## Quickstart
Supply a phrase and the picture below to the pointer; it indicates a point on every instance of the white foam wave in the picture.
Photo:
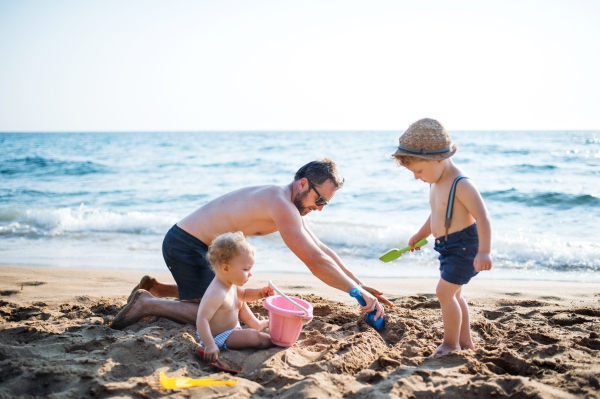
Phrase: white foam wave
(59, 221)
(370, 238)
(546, 251)
(520, 251)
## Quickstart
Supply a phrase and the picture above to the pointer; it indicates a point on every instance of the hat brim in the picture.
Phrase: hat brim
(432, 157)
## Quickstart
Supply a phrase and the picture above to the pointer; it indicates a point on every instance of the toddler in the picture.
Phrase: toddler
(224, 301)
(459, 221)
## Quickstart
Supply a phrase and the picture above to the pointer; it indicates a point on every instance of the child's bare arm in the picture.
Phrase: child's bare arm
(208, 307)
(469, 196)
(249, 295)
(254, 294)
(250, 320)
(424, 232)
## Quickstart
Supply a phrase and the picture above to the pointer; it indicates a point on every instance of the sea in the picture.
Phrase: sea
(106, 200)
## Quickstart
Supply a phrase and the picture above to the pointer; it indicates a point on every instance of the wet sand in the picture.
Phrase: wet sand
(534, 340)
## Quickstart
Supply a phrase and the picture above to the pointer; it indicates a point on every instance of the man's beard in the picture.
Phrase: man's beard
(298, 202)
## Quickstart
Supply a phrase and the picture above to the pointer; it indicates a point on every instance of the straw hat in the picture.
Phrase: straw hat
(426, 138)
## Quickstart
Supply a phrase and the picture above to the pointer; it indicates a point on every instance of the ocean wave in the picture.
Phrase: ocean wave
(36, 194)
(546, 252)
(510, 252)
(45, 166)
(547, 199)
(526, 168)
(497, 149)
(365, 239)
(354, 242)
(45, 222)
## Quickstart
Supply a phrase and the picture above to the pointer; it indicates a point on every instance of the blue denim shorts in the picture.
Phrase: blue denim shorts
(185, 256)
(457, 255)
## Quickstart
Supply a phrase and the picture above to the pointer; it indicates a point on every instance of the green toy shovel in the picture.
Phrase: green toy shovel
(396, 253)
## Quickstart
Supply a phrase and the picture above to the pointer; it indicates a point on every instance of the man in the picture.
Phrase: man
(255, 211)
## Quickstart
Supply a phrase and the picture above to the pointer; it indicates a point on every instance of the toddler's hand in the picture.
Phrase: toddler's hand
(211, 353)
(263, 324)
(267, 291)
(413, 240)
(483, 261)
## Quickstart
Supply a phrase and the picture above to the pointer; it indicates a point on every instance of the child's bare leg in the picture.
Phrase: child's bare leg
(248, 318)
(464, 339)
(248, 338)
(451, 316)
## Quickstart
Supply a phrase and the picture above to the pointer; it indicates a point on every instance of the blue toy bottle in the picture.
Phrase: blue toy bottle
(377, 324)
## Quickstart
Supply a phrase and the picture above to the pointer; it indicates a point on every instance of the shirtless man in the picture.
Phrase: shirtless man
(255, 211)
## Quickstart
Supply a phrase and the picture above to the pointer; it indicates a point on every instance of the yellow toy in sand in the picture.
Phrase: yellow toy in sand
(187, 382)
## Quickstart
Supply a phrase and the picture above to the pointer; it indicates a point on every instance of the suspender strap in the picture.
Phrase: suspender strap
(450, 207)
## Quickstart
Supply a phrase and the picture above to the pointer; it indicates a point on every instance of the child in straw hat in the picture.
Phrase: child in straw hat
(459, 221)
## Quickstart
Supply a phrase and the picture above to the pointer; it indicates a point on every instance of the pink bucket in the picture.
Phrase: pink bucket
(286, 320)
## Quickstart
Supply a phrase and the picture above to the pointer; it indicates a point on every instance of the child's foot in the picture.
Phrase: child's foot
(467, 345)
(442, 350)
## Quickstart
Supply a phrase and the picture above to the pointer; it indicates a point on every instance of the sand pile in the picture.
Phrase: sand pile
(526, 348)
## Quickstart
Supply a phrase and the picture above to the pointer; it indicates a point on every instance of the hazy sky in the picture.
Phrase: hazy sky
(298, 65)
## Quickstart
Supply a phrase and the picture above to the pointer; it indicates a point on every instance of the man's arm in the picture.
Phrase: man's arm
(329, 253)
(469, 196)
(299, 241)
(341, 265)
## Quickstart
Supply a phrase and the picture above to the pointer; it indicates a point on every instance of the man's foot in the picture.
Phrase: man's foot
(132, 312)
(442, 350)
(146, 283)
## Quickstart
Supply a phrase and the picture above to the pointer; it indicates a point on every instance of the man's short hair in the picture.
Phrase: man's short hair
(226, 247)
(318, 172)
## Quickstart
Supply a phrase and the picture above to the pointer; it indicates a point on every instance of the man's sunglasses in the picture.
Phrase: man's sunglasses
(320, 201)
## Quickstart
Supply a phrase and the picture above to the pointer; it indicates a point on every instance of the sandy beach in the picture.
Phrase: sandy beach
(534, 340)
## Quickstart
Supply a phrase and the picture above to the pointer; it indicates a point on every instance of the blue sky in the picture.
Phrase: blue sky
(298, 65)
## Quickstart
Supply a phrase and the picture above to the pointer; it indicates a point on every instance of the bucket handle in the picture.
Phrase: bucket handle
(287, 298)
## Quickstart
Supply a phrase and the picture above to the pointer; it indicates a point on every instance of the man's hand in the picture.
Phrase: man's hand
(378, 294)
(372, 303)
(211, 353)
(267, 291)
(483, 261)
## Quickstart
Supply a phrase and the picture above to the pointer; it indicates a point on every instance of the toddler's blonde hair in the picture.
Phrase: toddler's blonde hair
(226, 247)
(407, 160)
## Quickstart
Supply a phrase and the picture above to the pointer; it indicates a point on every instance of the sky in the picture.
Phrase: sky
(298, 65)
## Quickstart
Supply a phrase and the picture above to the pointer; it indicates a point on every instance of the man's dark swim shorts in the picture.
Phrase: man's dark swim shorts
(457, 255)
(185, 256)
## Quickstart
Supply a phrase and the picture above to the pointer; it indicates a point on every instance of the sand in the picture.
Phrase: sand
(534, 340)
